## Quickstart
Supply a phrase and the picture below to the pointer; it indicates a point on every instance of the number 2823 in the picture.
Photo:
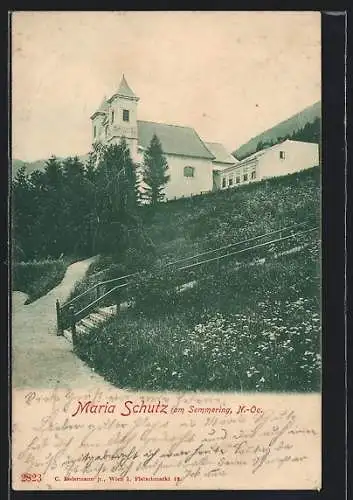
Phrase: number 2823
(31, 477)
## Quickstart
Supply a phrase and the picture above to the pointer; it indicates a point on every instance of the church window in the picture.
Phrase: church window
(282, 155)
(112, 116)
(94, 131)
(189, 171)
(224, 182)
(126, 115)
(245, 174)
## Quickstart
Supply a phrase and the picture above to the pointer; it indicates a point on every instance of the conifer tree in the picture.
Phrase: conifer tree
(155, 168)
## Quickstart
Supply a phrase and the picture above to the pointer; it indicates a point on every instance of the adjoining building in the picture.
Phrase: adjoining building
(284, 158)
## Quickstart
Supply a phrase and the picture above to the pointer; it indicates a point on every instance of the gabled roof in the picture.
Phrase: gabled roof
(270, 148)
(260, 153)
(175, 139)
(220, 153)
(282, 129)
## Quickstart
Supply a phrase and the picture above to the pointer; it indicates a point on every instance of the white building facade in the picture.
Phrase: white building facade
(191, 161)
(281, 159)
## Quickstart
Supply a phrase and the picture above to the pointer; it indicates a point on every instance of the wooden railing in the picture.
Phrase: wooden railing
(76, 309)
(245, 242)
(71, 312)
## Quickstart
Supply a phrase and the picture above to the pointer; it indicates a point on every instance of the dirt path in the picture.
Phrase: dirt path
(41, 359)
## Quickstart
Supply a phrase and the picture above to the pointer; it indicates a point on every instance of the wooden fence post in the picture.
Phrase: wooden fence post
(73, 325)
(59, 329)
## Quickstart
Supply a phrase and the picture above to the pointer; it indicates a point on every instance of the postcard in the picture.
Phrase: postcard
(166, 250)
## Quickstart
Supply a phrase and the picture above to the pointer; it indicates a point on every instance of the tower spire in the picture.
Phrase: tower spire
(124, 89)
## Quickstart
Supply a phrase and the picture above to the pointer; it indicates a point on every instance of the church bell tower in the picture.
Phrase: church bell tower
(116, 118)
(121, 120)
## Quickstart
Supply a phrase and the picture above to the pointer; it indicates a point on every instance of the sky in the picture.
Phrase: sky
(230, 75)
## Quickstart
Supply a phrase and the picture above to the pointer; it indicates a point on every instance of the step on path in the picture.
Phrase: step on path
(93, 320)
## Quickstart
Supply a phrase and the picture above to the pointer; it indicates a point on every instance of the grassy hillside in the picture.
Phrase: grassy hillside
(283, 130)
(185, 226)
(247, 325)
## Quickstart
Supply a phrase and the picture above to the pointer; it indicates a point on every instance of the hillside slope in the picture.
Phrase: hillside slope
(186, 226)
(247, 325)
(283, 130)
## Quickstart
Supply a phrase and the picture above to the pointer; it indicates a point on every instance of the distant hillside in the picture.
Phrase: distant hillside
(35, 165)
(290, 128)
(30, 166)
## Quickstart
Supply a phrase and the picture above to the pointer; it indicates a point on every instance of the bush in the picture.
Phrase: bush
(36, 278)
(154, 291)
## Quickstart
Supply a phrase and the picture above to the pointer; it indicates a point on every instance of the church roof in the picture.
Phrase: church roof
(124, 89)
(103, 108)
(175, 139)
(220, 153)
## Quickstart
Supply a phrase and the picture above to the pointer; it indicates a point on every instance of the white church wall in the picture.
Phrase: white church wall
(117, 127)
(179, 185)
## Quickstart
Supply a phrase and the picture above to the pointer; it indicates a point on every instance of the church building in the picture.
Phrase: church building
(193, 164)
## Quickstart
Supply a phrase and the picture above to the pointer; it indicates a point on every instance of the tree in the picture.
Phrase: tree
(155, 169)
(77, 207)
(116, 196)
(116, 178)
(53, 215)
(129, 185)
(22, 220)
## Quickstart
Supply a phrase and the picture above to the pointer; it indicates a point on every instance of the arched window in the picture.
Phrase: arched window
(189, 171)
(94, 131)
(112, 116)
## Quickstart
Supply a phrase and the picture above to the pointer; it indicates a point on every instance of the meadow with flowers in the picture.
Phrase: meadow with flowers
(251, 325)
